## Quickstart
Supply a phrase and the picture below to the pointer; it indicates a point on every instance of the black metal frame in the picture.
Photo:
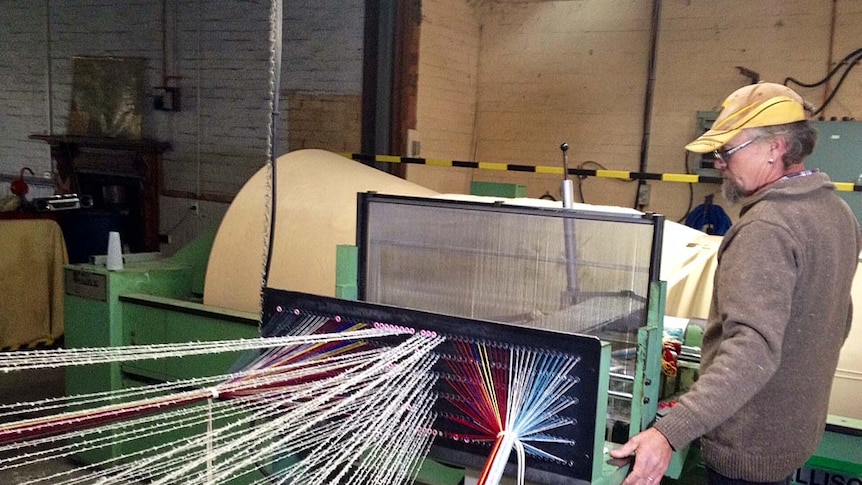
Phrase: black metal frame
(282, 310)
(365, 199)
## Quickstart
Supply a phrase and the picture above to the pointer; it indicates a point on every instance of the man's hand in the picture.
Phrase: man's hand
(652, 456)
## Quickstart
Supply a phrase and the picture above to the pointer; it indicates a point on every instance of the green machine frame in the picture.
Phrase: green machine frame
(645, 382)
(645, 389)
(152, 300)
(156, 300)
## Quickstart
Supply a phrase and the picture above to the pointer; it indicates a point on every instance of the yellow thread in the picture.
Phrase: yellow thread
(488, 377)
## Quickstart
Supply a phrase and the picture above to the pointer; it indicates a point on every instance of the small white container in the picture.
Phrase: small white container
(114, 261)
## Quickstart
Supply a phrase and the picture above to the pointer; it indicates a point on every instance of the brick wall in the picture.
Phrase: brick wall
(23, 90)
(219, 54)
(322, 88)
(448, 81)
(700, 45)
(539, 73)
(576, 72)
(327, 121)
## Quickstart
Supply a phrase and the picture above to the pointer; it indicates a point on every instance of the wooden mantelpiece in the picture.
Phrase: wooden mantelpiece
(143, 145)
(86, 163)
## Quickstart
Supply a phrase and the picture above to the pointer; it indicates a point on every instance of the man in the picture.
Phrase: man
(779, 311)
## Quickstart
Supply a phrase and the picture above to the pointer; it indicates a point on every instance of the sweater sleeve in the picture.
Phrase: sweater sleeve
(751, 309)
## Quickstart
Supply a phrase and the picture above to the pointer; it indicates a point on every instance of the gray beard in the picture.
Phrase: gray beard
(732, 192)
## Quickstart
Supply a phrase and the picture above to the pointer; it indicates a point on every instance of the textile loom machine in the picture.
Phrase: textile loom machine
(489, 273)
(491, 276)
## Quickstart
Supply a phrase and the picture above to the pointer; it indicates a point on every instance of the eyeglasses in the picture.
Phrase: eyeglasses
(724, 155)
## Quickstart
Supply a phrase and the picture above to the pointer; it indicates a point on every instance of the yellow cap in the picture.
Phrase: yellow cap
(761, 104)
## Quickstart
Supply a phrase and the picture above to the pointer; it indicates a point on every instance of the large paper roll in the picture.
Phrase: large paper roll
(316, 212)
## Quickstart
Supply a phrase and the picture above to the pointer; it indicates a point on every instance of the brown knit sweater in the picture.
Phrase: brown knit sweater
(778, 319)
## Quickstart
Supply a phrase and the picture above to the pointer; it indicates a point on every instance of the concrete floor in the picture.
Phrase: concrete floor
(28, 386)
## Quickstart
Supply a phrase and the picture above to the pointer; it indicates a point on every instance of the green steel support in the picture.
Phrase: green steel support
(346, 272)
(599, 457)
(645, 392)
(145, 303)
(652, 355)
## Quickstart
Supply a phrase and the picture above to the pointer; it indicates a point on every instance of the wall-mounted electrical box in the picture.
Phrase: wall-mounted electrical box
(839, 153)
(166, 98)
(705, 162)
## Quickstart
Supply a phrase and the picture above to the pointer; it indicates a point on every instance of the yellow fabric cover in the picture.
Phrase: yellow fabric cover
(689, 286)
(32, 256)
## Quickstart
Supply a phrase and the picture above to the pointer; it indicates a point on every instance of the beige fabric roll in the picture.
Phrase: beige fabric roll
(316, 212)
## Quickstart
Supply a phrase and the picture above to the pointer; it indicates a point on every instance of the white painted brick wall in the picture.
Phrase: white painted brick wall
(222, 58)
(182, 225)
(323, 46)
(23, 90)
(220, 50)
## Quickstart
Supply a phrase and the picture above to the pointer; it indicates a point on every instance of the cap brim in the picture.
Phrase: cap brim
(711, 140)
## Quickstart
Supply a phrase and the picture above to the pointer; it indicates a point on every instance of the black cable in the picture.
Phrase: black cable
(835, 69)
(582, 177)
(835, 90)
(850, 60)
(648, 97)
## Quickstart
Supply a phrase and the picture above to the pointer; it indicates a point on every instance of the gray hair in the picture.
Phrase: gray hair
(800, 137)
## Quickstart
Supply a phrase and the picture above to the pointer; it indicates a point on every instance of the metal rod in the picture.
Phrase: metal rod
(568, 189)
(622, 377)
(569, 232)
(622, 395)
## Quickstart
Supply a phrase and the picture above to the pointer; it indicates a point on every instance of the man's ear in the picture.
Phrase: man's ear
(778, 144)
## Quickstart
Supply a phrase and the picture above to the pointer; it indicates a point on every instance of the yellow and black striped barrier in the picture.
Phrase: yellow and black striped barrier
(577, 172)
(40, 344)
